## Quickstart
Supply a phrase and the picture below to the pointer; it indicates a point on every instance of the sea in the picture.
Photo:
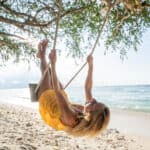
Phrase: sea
(126, 97)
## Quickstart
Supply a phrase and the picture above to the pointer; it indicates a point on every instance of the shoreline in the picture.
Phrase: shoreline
(22, 127)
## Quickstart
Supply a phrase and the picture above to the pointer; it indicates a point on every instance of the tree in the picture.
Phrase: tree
(79, 24)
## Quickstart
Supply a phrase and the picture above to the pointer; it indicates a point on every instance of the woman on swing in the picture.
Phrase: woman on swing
(58, 112)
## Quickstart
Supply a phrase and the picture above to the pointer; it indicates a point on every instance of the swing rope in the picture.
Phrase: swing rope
(57, 23)
(54, 45)
(101, 27)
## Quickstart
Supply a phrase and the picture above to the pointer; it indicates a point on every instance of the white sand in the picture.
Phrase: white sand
(135, 125)
(22, 129)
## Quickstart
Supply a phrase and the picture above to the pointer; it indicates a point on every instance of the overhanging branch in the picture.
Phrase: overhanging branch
(7, 9)
(21, 25)
(12, 35)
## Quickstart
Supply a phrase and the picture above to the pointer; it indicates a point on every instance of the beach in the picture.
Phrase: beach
(21, 128)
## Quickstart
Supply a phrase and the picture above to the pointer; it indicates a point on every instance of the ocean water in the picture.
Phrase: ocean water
(135, 97)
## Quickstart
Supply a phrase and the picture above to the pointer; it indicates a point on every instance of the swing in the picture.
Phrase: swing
(34, 87)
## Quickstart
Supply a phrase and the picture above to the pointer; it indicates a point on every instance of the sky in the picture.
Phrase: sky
(108, 69)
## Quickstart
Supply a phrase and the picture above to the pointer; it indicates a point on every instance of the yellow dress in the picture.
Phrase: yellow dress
(49, 110)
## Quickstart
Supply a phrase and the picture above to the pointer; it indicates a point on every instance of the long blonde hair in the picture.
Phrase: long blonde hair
(98, 122)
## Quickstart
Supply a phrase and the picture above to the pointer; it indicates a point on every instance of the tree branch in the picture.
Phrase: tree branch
(12, 35)
(22, 24)
(48, 7)
(38, 24)
(20, 14)
(120, 23)
(68, 12)
(11, 11)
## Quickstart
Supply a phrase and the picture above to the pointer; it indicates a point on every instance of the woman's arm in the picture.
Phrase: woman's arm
(89, 81)
(68, 116)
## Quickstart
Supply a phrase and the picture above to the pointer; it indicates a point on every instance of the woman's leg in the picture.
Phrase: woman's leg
(60, 84)
(46, 83)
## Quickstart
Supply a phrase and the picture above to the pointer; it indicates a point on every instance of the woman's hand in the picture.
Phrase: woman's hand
(90, 59)
(53, 56)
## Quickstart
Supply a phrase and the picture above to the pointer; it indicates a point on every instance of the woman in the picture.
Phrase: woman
(58, 112)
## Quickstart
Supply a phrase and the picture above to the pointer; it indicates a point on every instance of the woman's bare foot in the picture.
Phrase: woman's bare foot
(42, 48)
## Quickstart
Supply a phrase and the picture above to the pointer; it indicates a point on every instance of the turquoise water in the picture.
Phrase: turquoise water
(135, 97)
(123, 97)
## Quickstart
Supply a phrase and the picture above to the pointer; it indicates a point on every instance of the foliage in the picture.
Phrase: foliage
(79, 25)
